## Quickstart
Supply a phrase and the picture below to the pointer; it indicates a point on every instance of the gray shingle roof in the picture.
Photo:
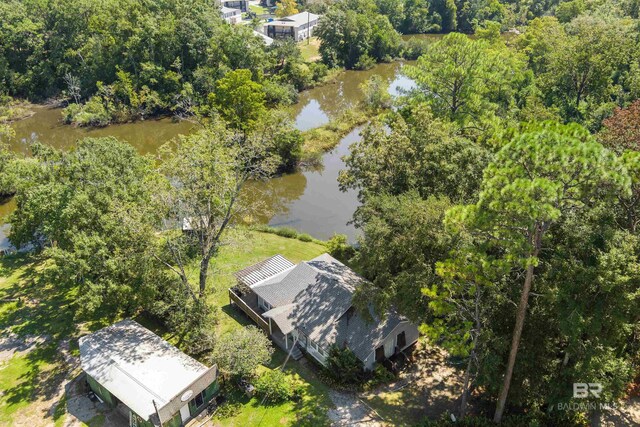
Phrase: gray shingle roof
(317, 295)
(282, 288)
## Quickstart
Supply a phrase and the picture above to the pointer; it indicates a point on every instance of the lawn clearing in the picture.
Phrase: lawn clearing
(39, 337)
(310, 49)
(34, 318)
(259, 10)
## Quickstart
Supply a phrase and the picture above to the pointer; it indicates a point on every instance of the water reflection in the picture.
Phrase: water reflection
(309, 200)
(6, 207)
(317, 106)
(45, 125)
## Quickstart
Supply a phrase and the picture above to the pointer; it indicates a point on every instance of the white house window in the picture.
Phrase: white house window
(265, 305)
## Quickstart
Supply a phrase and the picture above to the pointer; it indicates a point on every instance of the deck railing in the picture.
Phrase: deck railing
(249, 311)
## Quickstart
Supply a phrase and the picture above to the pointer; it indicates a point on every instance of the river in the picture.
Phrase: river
(308, 200)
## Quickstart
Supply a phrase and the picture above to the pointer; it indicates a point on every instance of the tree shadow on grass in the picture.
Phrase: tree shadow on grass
(237, 315)
(42, 311)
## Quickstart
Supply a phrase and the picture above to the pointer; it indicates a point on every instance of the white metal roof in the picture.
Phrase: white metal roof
(139, 367)
(295, 20)
(263, 270)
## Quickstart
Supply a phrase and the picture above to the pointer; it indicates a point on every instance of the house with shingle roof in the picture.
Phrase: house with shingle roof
(309, 307)
(145, 378)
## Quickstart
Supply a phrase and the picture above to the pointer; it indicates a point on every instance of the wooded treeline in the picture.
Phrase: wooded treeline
(500, 197)
(500, 210)
(128, 59)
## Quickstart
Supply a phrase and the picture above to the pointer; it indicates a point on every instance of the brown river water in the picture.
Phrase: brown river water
(308, 200)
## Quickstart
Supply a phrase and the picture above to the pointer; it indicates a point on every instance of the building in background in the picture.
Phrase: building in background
(232, 16)
(298, 27)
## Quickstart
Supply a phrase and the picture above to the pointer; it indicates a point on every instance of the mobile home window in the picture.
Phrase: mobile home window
(199, 399)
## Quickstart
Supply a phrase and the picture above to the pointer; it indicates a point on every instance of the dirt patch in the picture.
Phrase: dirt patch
(351, 411)
(627, 414)
(12, 345)
(429, 387)
(81, 410)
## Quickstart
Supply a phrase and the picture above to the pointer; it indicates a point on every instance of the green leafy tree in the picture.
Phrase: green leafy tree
(568, 10)
(239, 100)
(420, 153)
(376, 93)
(208, 170)
(468, 81)
(542, 174)
(402, 239)
(286, 8)
(444, 12)
(239, 352)
(580, 69)
(92, 209)
(354, 35)
(417, 18)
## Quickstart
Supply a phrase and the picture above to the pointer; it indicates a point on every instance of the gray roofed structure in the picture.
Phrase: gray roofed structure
(282, 317)
(285, 286)
(140, 369)
(295, 20)
(316, 297)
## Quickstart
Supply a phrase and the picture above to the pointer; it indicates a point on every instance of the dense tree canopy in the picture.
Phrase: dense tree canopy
(120, 60)
(93, 209)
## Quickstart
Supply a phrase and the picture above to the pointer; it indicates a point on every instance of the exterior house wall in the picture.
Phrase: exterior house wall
(232, 17)
(208, 392)
(102, 392)
(389, 343)
(298, 33)
(243, 5)
(314, 349)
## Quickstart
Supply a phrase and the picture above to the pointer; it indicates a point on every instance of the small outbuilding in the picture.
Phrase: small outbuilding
(148, 380)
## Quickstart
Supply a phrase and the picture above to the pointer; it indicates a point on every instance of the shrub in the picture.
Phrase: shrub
(279, 94)
(413, 48)
(376, 95)
(338, 247)
(365, 63)
(318, 70)
(228, 410)
(380, 375)
(344, 367)
(289, 232)
(274, 386)
(239, 352)
(304, 237)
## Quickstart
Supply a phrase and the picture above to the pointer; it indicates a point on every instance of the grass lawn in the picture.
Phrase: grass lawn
(31, 379)
(258, 10)
(250, 248)
(310, 49)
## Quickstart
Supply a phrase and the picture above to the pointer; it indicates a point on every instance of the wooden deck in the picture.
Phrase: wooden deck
(239, 302)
